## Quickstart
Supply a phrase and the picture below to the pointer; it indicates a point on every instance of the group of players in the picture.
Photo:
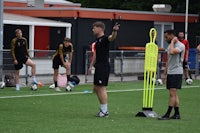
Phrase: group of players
(20, 55)
(177, 60)
(63, 56)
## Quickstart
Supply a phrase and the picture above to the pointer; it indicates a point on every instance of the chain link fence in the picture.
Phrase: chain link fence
(129, 65)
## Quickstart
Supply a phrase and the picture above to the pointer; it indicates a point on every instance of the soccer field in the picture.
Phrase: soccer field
(46, 111)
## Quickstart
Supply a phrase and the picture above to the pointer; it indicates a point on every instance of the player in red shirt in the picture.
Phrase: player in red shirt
(185, 61)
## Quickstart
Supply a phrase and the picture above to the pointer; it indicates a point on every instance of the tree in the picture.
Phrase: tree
(178, 6)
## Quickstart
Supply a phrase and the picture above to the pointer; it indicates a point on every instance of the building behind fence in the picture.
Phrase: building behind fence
(125, 65)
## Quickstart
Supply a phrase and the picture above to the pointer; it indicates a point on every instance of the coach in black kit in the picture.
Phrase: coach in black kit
(101, 63)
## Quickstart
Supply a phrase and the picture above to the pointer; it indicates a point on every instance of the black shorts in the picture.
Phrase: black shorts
(101, 74)
(20, 61)
(185, 64)
(56, 62)
(174, 81)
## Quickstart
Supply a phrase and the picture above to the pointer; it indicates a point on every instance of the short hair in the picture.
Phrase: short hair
(170, 32)
(17, 30)
(181, 32)
(99, 24)
(67, 39)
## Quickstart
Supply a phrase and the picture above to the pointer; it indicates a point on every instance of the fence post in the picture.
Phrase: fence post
(122, 64)
(159, 65)
(1, 38)
(197, 65)
(86, 66)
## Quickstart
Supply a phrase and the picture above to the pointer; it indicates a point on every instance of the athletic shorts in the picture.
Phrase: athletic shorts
(174, 81)
(20, 61)
(56, 62)
(101, 74)
(185, 64)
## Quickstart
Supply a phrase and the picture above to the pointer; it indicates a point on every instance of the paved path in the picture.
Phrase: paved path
(83, 79)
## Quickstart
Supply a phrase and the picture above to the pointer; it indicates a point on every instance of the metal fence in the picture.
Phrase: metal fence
(43, 61)
(129, 65)
(125, 65)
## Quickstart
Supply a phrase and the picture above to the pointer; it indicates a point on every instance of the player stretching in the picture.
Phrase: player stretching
(174, 72)
(63, 57)
(20, 55)
(101, 63)
(185, 61)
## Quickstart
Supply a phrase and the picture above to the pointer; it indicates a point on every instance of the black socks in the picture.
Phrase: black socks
(169, 110)
(68, 78)
(56, 85)
(176, 111)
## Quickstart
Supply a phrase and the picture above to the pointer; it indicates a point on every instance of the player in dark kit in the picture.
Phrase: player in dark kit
(20, 55)
(101, 63)
(63, 57)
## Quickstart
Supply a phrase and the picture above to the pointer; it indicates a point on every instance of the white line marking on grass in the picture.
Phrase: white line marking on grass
(143, 89)
(109, 91)
(89, 92)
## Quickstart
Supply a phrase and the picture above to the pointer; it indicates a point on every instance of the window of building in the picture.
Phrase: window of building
(161, 27)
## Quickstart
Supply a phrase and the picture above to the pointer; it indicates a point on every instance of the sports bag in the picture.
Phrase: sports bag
(9, 80)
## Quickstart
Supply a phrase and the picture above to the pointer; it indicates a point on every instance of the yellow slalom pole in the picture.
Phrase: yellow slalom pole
(150, 89)
(144, 91)
(152, 95)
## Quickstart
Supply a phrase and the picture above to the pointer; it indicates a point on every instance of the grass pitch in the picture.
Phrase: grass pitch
(46, 111)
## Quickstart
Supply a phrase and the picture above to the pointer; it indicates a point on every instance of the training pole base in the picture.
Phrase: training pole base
(147, 113)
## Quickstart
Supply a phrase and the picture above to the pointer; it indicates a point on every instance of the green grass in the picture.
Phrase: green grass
(75, 113)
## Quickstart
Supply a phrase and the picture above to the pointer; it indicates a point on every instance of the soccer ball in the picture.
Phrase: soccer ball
(154, 80)
(2, 85)
(159, 82)
(34, 87)
(68, 88)
(52, 86)
(189, 81)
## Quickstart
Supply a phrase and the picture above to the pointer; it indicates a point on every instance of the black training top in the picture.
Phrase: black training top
(19, 48)
(102, 50)
(62, 50)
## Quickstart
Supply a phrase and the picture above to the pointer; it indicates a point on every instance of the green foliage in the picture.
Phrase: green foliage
(178, 6)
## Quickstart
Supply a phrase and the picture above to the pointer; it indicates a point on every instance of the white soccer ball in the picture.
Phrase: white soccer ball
(52, 86)
(189, 81)
(34, 87)
(154, 80)
(2, 85)
(68, 88)
(159, 82)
